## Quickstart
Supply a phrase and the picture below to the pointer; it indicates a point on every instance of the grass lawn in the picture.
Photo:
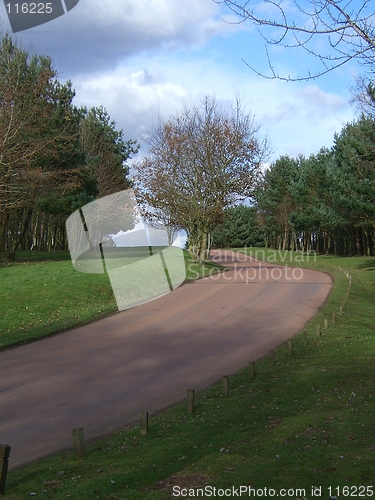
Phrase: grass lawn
(42, 294)
(305, 421)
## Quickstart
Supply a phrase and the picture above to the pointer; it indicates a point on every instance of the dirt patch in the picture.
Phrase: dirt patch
(183, 481)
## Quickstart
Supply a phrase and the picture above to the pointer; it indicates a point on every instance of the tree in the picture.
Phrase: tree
(239, 229)
(354, 150)
(364, 96)
(276, 201)
(325, 202)
(39, 146)
(106, 151)
(315, 218)
(54, 157)
(344, 28)
(200, 162)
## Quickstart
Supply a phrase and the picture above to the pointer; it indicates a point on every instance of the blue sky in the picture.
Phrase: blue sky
(142, 59)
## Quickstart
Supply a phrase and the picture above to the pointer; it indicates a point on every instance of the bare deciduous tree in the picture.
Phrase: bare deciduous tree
(346, 27)
(364, 96)
(200, 161)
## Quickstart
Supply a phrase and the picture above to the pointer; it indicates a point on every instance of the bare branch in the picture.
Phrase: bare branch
(346, 26)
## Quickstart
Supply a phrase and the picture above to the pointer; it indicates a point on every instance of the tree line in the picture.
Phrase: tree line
(324, 203)
(54, 157)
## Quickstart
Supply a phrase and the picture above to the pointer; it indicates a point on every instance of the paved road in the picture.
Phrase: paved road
(101, 376)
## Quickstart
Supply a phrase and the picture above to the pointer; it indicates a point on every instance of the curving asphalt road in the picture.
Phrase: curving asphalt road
(102, 375)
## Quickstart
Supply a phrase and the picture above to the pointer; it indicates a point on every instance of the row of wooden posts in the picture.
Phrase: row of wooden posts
(78, 441)
(190, 399)
(77, 434)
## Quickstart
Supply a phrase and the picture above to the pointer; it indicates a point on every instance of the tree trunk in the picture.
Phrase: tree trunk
(204, 247)
(4, 221)
(357, 242)
(12, 253)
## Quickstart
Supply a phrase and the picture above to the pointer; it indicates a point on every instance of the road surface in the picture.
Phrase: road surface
(102, 375)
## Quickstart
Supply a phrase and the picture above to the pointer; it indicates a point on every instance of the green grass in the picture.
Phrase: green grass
(306, 421)
(42, 294)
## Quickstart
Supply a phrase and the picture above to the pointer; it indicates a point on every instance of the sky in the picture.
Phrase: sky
(143, 59)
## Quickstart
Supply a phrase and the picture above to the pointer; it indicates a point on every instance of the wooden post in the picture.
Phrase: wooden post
(78, 442)
(190, 400)
(318, 330)
(290, 347)
(333, 317)
(225, 379)
(252, 369)
(305, 339)
(272, 357)
(325, 323)
(144, 423)
(4, 455)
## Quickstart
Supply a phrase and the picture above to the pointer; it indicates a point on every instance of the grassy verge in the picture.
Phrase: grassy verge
(42, 294)
(307, 420)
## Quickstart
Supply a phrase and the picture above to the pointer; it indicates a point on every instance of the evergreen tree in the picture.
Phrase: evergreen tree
(239, 229)
(276, 203)
(106, 151)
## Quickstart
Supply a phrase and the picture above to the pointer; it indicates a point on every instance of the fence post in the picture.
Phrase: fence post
(325, 323)
(78, 442)
(4, 455)
(190, 400)
(252, 369)
(144, 423)
(333, 317)
(272, 357)
(225, 380)
(318, 330)
(305, 339)
(290, 347)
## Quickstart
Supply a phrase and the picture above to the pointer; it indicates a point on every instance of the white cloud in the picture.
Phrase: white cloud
(135, 99)
(100, 34)
(163, 18)
(298, 118)
(301, 118)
